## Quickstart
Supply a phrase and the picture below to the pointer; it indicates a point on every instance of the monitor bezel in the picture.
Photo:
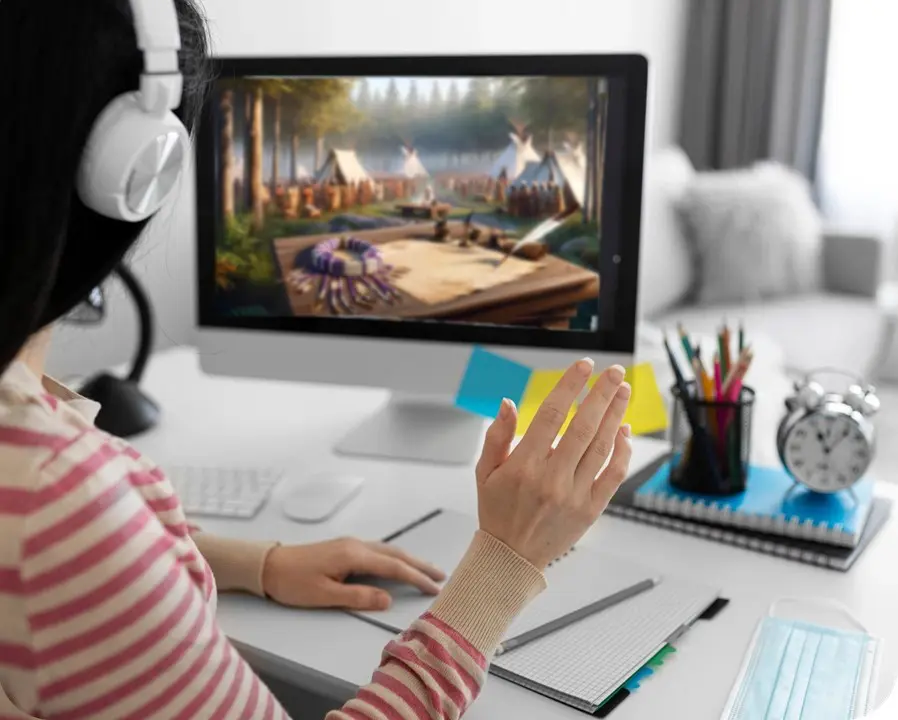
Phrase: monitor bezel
(618, 338)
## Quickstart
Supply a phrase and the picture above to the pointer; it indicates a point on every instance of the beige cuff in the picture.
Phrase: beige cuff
(236, 564)
(488, 589)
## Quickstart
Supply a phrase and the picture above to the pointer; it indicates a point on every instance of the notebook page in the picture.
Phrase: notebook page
(580, 578)
(591, 659)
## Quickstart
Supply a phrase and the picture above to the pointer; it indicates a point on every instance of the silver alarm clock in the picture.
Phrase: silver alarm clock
(826, 439)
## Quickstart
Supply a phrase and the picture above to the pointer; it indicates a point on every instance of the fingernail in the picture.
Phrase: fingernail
(623, 392)
(586, 366)
(616, 374)
(382, 601)
(626, 430)
(503, 409)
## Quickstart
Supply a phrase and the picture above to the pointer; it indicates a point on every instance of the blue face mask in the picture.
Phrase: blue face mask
(801, 671)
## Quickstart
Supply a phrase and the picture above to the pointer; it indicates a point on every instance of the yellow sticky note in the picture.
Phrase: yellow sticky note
(646, 414)
(538, 388)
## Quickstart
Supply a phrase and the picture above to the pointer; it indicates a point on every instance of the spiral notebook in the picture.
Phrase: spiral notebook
(833, 557)
(773, 504)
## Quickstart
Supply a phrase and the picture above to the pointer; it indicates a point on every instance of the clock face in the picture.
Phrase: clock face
(827, 452)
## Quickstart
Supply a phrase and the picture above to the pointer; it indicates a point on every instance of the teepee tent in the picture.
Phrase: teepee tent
(344, 167)
(562, 169)
(410, 165)
(575, 151)
(528, 174)
(514, 158)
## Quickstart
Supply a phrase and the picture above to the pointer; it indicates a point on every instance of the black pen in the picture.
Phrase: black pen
(411, 526)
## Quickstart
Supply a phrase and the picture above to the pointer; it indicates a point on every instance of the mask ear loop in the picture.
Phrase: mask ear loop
(826, 602)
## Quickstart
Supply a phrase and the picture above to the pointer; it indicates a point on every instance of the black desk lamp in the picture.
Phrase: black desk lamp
(126, 411)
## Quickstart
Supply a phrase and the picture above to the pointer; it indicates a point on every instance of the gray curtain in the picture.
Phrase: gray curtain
(754, 82)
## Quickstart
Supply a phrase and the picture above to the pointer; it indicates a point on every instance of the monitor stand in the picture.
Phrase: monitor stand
(418, 429)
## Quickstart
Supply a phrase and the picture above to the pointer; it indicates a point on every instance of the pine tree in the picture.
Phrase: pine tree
(454, 97)
(392, 101)
(413, 99)
(436, 98)
(363, 102)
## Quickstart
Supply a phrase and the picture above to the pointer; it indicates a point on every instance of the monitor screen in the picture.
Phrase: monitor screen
(402, 204)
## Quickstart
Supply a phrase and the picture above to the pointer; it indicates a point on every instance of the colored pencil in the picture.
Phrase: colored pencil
(737, 375)
(687, 345)
(718, 381)
(682, 387)
(741, 338)
(725, 358)
(699, 432)
(703, 380)
(697, 370)
(718, 397)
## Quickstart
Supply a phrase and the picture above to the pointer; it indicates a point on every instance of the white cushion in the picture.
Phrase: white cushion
(755, 232)
(665, 265)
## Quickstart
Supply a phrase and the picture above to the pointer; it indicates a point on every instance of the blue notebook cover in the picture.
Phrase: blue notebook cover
(773, 503)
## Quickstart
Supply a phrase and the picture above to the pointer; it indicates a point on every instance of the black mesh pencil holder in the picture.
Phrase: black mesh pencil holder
(711, 443)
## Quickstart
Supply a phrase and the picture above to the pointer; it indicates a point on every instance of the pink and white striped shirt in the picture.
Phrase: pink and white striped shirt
(107, 605)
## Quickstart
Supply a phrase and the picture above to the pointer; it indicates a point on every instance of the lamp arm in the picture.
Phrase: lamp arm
(145, 315)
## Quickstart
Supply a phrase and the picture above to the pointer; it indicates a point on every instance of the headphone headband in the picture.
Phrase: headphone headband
(159, 38)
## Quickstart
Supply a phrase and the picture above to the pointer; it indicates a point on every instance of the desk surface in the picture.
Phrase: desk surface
(246, 422)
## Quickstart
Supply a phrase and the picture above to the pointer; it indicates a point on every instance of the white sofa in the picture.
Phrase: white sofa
(841, 326)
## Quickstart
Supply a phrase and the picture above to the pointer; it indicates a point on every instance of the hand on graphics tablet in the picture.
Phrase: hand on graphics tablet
(539, 500)
(314, 576)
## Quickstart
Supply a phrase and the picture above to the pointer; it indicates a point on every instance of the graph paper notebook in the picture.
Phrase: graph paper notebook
(585, 664)
(576, 580)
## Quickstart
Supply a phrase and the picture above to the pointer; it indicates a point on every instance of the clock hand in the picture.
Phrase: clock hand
(838, 440)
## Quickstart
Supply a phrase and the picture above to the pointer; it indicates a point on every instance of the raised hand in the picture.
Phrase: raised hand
(540, 499)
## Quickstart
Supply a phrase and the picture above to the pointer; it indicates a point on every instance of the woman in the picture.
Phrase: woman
(107, 596)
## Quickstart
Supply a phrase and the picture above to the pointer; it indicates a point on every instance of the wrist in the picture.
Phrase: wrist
(488, 589)
(269, 571)
(237, 565)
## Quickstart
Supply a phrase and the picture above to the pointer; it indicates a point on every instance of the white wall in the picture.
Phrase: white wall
(165, 260)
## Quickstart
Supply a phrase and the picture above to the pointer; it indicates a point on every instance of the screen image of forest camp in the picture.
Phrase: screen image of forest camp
(474, 200)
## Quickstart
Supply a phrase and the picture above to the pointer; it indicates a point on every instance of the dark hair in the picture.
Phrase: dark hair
(62, 62)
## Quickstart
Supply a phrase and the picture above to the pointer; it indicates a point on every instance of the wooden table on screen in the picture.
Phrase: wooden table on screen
(545, 298)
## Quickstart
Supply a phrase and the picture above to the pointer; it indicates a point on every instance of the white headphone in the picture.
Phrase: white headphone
(138, 147)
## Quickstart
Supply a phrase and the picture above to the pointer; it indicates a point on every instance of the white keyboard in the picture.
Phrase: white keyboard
(222, 492)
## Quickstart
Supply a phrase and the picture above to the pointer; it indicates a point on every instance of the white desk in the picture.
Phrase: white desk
(294, 426)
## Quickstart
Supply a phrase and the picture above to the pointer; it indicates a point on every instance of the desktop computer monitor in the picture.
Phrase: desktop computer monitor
(359, 222)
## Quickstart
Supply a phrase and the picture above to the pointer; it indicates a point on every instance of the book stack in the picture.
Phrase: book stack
(773, 516)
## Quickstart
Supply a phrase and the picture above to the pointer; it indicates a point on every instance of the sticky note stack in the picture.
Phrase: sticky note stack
(490, 377)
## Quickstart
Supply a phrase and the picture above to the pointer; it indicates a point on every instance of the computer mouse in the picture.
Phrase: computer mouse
(319, 497)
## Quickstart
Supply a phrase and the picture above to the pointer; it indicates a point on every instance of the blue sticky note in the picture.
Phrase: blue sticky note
(487, 380)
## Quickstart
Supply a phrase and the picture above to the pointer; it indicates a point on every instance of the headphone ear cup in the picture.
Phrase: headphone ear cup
(133, 160)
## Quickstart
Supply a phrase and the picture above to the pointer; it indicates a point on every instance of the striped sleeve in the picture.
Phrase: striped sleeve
(436, 668)
(117, 602)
